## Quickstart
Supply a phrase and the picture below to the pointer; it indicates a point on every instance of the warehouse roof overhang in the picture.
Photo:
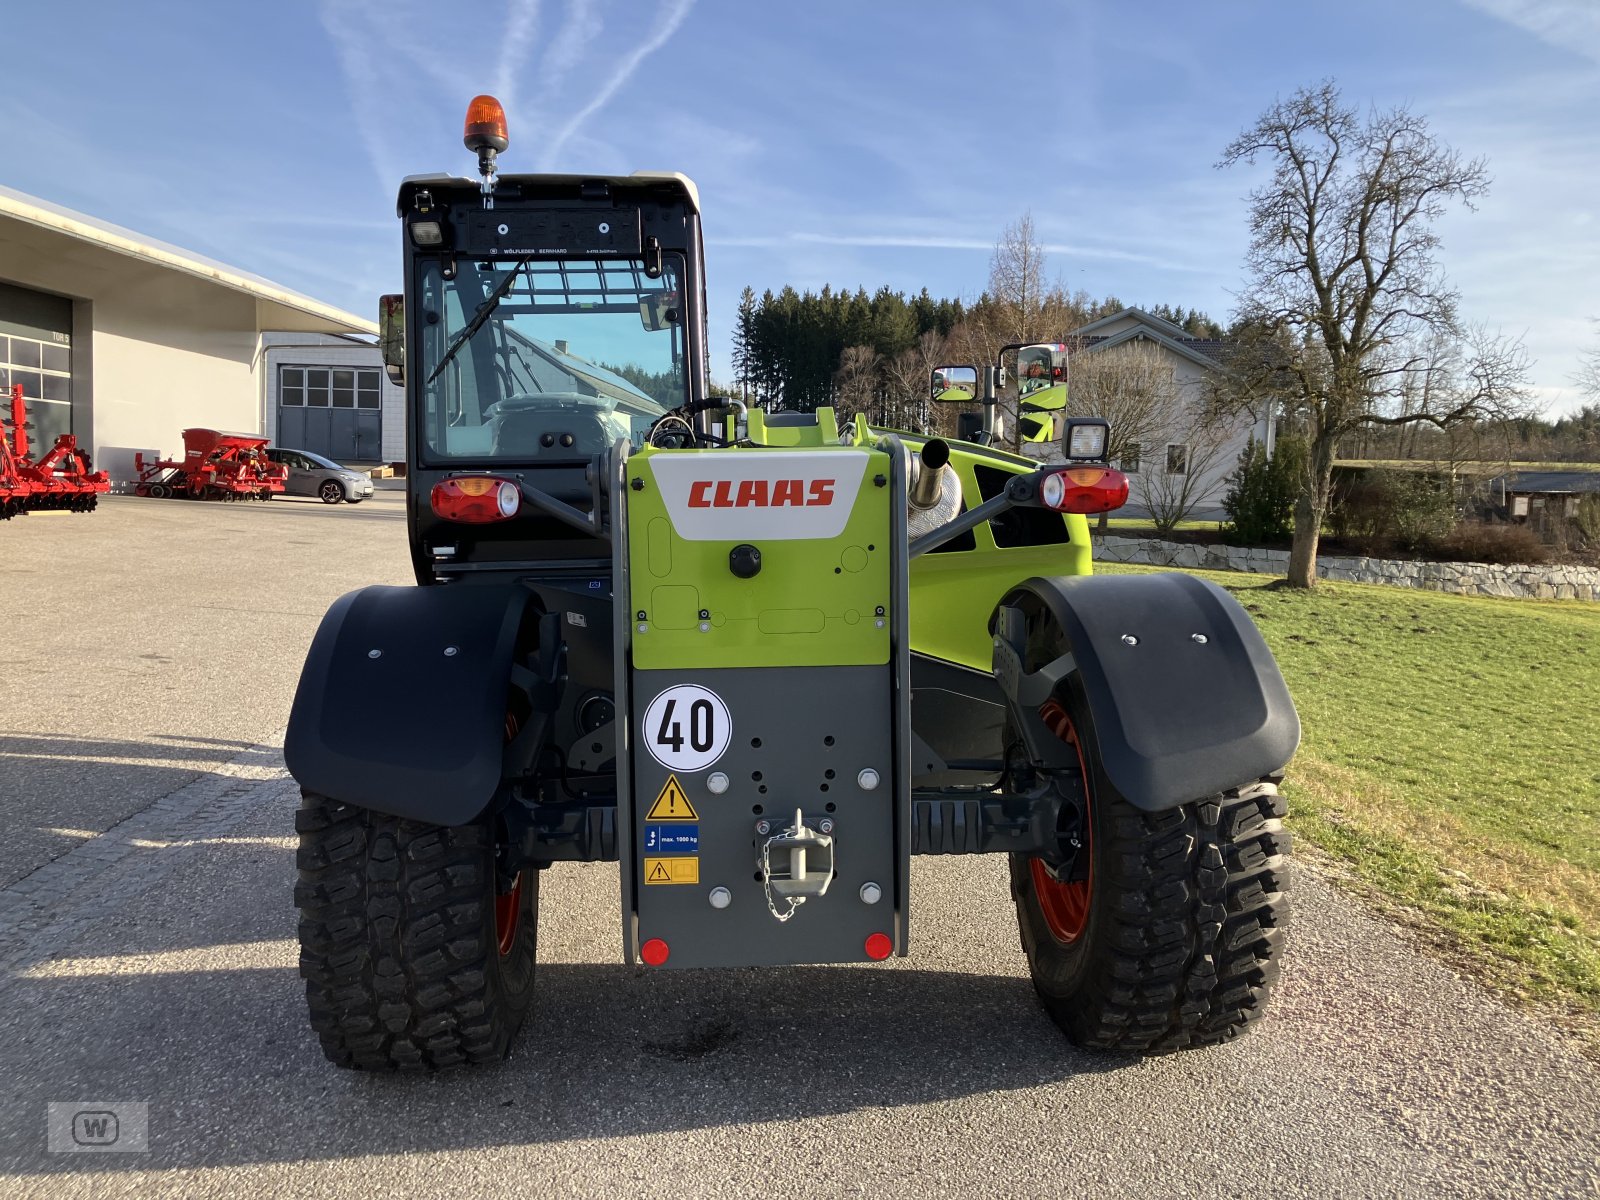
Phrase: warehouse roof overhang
(68, 237)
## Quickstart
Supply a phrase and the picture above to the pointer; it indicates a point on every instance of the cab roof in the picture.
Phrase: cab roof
(638, 180)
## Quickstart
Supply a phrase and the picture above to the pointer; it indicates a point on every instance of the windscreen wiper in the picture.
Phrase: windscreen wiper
(490, 303)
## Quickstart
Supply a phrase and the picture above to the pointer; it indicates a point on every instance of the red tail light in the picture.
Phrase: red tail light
(476, 499)
(1084, 490)
(654, 952)
(878, 946)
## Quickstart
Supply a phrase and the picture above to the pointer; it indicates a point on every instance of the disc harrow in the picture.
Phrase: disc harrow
(64, 479)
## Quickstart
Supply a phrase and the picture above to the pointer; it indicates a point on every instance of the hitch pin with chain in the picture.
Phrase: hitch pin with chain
(805, 846)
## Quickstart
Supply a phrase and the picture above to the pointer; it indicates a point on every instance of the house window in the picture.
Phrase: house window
(1177, 460)
(1130, 458)
(323, 387)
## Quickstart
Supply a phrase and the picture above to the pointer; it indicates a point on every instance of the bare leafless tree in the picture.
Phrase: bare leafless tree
(1131, 386)
(1343, 285)
(908, 375)
(856, 381)
(1174, 471)
(1017, 303)
(1588, 376)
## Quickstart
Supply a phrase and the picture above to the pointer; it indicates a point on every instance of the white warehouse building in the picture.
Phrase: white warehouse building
(125, 342)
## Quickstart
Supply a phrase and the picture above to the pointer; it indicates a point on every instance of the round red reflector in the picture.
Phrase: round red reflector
(485, 127)
(879, 947)
(654, 952)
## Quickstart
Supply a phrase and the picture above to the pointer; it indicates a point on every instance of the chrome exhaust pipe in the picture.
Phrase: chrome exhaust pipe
(927, 481)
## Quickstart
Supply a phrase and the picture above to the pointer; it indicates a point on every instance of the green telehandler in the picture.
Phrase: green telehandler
(759, 660)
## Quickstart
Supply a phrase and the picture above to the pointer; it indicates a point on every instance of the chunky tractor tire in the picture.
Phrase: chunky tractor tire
(411, 958)
(1173, 940)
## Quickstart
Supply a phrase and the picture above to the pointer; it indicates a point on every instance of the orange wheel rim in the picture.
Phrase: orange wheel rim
(507, 917)
(1066, 905)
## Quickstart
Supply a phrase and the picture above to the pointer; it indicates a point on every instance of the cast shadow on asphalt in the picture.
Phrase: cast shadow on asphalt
(609, 1054)
(52, 785)
(170, 748)
(233, 1074)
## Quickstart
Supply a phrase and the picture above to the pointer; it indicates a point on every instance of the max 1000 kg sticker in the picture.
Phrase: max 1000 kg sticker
(686, 728)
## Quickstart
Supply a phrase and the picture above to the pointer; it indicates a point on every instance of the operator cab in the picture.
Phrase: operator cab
(545, 320)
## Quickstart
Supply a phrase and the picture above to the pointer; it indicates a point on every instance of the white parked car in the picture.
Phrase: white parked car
(312, 475)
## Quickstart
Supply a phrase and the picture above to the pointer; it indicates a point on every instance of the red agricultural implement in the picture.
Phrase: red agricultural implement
(62, 479)
(215, 466)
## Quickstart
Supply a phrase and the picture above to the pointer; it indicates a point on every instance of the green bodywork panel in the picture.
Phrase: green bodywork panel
(954, 592)
(815, 601)
(824, 433)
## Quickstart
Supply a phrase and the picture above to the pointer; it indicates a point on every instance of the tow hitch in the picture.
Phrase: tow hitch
(796, 864)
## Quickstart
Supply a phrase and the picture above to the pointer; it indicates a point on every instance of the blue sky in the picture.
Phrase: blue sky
(855, 144)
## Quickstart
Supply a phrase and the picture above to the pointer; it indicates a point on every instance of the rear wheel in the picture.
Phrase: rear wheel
(1171, 937)
(415, 952)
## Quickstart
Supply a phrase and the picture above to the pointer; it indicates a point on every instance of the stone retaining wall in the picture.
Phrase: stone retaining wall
(1470, 579)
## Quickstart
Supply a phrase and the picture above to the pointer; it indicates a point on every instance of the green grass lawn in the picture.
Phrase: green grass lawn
(1450, 768)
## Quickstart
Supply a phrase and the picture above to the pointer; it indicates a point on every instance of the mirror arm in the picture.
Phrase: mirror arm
(586, 522)
(988, 397)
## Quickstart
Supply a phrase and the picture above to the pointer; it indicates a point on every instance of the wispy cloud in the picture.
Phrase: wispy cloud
(522, 27)
(376, 41)
(1566, 24)
(673, 18)
(941, 242)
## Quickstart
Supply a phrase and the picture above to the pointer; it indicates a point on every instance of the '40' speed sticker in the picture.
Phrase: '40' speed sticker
(687, 728)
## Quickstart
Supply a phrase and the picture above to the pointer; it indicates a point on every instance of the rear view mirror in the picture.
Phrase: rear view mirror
(955, 385)
(392, 337)
(660, 311)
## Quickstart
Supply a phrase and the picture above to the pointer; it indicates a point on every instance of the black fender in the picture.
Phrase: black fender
(401, 706)
(1185, 697)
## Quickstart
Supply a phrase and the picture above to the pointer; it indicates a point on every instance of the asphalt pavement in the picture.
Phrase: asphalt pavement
(147, 955)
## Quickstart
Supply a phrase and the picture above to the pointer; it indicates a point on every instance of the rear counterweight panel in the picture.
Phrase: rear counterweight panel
(799, 738)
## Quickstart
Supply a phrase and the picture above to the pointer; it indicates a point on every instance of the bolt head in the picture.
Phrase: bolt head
(720, 897)
(1129, 640)
(1199, 638)
(451, 651)
(374, 653)
(825, 825)
(867, 780)
(716, 783)
(871, 893)
(763, 827)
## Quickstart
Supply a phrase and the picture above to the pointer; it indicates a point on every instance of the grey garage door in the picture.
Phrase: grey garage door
(331, 411)
(36, 351)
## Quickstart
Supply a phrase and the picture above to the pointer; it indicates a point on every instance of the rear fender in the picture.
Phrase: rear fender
(1185, 697)
(402, 701)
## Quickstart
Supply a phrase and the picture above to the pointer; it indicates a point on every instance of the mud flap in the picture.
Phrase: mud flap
(401, 706)
(1186, 697)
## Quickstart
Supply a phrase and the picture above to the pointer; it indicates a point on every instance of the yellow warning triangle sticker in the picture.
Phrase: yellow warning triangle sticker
(672, 804)
(658, 873)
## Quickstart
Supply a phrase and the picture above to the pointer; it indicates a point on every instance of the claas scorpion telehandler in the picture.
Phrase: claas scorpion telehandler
(759, 660)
